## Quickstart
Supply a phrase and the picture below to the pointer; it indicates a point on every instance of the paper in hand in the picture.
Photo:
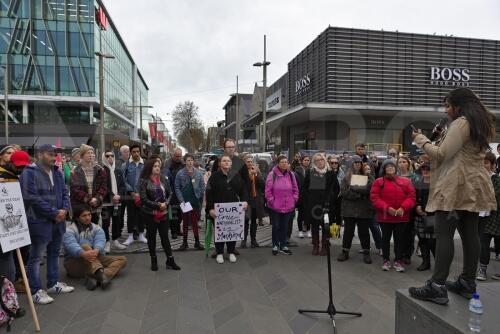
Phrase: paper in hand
(186, 207)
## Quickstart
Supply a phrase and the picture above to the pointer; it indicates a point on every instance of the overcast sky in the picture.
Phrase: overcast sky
(193, 49)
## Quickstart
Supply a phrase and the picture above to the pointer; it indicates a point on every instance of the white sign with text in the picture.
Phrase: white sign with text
(229, 221)
(14, 232)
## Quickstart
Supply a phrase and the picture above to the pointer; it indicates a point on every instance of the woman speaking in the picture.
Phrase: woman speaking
(460, 188)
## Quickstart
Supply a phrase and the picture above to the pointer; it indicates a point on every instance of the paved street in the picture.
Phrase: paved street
(259, 294)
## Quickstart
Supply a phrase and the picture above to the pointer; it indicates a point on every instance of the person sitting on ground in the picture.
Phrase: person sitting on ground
(84, 249)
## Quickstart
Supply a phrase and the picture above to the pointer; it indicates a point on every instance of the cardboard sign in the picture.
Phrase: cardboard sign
(14, 232)
(359, 180)
(229, 222)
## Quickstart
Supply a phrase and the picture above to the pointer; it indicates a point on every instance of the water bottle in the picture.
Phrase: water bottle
(116, 209)
(476, 309)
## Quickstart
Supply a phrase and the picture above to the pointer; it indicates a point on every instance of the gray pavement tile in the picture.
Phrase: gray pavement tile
(81, 326)
(162, 318)
(227, 313)
(193, 328)
(220, 302)
(274, 286)
(59, 315)
(133, 309)
(166, 328)
(108, 329)
(188, 317)
(239, 324)
(122, 323)
(220, 288)
(351, 302)
(301, 324)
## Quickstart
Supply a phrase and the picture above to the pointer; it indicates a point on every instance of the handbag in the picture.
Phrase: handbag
(429, 223)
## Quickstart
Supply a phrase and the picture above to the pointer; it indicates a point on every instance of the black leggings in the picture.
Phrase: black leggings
(388, 229)
(107, 216)
(447, 222)
(162, 228)
(485, 239)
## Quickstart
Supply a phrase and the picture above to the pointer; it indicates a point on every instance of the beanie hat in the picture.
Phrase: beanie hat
(386, 163)
(75, 151)
(84, 149)
(4, 148)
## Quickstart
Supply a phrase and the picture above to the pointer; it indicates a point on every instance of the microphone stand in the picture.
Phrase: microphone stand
(330, 310)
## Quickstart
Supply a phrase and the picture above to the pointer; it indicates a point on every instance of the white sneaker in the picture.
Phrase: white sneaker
(129, 240)
(142, 238)
(107, 247)
(61, 287)
(220, 259)
(232, 258)
(41, 297)
(309, 234)
(301, 234)
(117, 245)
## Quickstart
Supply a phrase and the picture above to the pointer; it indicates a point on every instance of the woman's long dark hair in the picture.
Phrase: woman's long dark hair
(481, 120)
(148, 168)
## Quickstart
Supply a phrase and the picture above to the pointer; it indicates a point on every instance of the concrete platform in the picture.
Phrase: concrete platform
(416, 317)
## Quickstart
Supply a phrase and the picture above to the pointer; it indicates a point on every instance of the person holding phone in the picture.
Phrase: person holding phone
(460, 188)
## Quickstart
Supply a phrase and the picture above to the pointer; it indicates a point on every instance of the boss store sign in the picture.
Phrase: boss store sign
(449, 76)
(303, 85)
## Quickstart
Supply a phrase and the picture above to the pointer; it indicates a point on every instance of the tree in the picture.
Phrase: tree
(188, 127)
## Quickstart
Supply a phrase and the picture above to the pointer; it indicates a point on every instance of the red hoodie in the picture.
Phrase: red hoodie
(395, 193)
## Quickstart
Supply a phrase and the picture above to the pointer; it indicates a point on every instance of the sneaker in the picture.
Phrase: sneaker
(497, 257)
(399, 266)
(61, 287)
(117, 245)
(142, 238)
(309, 234)
(462, 287)
(107, 247)
(481, 274)
(301, 234)
(275, 250)
(285, 251)
(219, 259)
(419, 252)
(232, 258)
(129, 240)
(496, 277)
(431, 292)
(386, 266)
(41, 297)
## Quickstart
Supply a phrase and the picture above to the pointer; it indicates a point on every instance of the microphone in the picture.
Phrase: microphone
(436, 132)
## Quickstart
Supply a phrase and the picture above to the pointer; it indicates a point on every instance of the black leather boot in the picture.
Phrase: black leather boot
(197, 244)
(171, 264)
(154, 263)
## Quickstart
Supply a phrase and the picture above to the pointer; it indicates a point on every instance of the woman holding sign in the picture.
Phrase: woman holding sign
(225, 186)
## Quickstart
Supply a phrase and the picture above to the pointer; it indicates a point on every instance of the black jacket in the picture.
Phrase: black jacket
(120, 184)
(147, 192)
(318, 190)
(223, 188)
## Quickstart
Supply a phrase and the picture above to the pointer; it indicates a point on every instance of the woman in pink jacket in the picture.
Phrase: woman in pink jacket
(282, 194)
(393, 197)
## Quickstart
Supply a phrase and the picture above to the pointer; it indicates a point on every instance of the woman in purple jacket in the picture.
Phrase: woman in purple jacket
(282, 194)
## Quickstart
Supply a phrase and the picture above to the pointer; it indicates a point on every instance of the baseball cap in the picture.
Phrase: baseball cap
(20, 158)
(48, 148)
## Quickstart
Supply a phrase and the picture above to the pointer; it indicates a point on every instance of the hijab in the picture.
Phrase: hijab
(114, 186)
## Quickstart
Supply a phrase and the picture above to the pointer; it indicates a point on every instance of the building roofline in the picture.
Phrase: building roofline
(110, 20)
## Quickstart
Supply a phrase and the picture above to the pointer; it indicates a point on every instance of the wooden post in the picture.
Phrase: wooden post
(28, 291)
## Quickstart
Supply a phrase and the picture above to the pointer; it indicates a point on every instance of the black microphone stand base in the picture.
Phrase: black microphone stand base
(331, 310)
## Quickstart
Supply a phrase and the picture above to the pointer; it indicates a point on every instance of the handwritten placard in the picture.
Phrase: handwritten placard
(14, 232)
(229, 221)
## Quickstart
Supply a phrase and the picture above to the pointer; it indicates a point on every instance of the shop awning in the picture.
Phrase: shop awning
(256, 118)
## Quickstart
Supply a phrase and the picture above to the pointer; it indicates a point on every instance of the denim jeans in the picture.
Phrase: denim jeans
(36, 252)
(280, 227)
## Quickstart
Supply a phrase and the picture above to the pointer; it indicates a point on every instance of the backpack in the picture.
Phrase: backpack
(8, 302)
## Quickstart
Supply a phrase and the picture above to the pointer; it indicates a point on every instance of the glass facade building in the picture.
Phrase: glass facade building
(48, 47)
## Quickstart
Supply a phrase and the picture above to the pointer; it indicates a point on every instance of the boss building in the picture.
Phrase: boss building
(352, 85)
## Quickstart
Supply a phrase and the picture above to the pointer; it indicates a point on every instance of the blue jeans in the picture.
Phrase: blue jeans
(36, 252)
(280, 227)
(376, 233)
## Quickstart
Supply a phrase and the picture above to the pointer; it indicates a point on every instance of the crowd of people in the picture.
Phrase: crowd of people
(396, 198)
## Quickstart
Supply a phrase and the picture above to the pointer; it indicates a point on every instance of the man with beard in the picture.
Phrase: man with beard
(172, 167)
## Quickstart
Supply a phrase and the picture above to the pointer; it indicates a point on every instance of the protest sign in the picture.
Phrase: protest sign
(229, 221)
(14, 232)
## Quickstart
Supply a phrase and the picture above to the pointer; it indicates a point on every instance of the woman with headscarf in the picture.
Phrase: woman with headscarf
(356, 209)
(116, 189)
(319, 185)
(88, 183)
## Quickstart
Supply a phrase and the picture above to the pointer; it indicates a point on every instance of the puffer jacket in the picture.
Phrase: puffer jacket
(396, 193)
(74, 239)
(282, 192)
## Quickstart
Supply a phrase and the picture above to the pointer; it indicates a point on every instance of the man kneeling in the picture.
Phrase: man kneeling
(84, 244)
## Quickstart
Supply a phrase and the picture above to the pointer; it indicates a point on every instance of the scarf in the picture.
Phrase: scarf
(88, 170)
(321, 172)
(114, 186)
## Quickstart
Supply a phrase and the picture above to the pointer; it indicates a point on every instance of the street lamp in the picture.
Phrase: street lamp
(6, 102)
(264, 65)
(140, 106)
(101, 97)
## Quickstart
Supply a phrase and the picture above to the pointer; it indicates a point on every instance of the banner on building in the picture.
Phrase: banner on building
(152, 130)
(229, 221)
(14, 232)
